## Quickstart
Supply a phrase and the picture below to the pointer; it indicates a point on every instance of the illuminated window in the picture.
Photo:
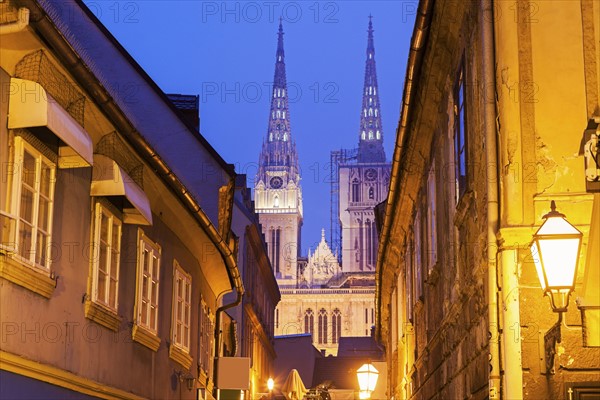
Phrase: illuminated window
(26, 217)
(322, 326)
(148, 281)
(276, 201)
(105, 260)
(182, 306)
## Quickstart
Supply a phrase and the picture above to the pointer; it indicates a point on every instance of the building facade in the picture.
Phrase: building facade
(111, 271)
(254, 316)
(488, 136)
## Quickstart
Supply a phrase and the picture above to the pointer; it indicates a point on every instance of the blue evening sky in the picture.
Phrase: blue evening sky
(225, 52)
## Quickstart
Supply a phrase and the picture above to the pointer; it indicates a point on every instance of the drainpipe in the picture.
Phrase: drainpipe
(17, 26)
(487, 40)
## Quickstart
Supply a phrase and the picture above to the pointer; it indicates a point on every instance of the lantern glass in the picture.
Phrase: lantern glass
(270, 384)
(555, 251)
(367, 377)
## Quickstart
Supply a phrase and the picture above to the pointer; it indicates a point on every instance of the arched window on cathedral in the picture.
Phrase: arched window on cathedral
(309, 322)
(276, 201)
(371, 193)
(336, 326)
(378, 135)
(363, 135)
(370, 112)
(355, 191)
(322, 326)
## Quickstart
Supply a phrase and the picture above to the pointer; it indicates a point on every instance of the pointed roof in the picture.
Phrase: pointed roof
(370, 137)
(279, 148)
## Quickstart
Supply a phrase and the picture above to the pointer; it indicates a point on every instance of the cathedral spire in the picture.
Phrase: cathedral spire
(279, 150)
(370, 144)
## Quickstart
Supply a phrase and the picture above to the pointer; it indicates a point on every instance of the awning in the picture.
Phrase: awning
(109, 179)
(31, 106)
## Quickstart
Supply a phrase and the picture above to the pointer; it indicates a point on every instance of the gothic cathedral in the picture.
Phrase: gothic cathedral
(327, 294)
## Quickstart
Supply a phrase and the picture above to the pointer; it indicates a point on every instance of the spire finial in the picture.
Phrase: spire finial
(322, 234)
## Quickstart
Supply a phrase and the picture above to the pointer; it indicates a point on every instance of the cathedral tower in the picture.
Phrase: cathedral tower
(278, 195)
(363, 177)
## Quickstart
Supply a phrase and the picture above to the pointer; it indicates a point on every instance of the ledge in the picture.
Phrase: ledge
(145, 337)
(59, 377)
(180, 356)
(102, 315)
(18, 273)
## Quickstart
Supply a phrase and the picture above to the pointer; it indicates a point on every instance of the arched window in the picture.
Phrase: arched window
(363, 135)
(370, 135)
(370, 112)
(368, 227)
(355, 191)
(276, 201)
(322, 326)
(371, 193)
(336, 326)
(309, 321)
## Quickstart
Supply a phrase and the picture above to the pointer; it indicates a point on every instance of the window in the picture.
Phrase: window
(431, 218)
(275, 248)
(276, 201)
(26, 218)
(322, 326)
(276, 318)
(105, 260)
(408, 262)
(336, 325)
(355, 191)
(206, 338)
(371, 193)
(417, 262)
(148, 281)
(182, 305)
(309, 321)
(460, 134)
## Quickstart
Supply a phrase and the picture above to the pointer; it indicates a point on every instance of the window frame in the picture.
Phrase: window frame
(99, 210)
(144, 242)
(14, 212)
(431, 218)
(179, 274)
(206, 335)
(460, 132)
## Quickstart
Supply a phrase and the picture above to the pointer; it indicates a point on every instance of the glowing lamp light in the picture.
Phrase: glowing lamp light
(367, 380)
(270, 384)
(555, 250)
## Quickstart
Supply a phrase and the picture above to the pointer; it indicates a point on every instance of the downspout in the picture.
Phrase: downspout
(105, 102)
(487, 39)
(17, 26)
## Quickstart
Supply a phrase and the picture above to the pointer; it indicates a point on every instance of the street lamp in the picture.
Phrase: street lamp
(367, 376)
(555, 250)
(270, 385)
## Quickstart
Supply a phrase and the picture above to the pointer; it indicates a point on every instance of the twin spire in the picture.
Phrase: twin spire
(279, 149)
(370, 142)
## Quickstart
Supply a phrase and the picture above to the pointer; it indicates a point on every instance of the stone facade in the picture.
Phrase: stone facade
(481, 150)
(111, 270)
